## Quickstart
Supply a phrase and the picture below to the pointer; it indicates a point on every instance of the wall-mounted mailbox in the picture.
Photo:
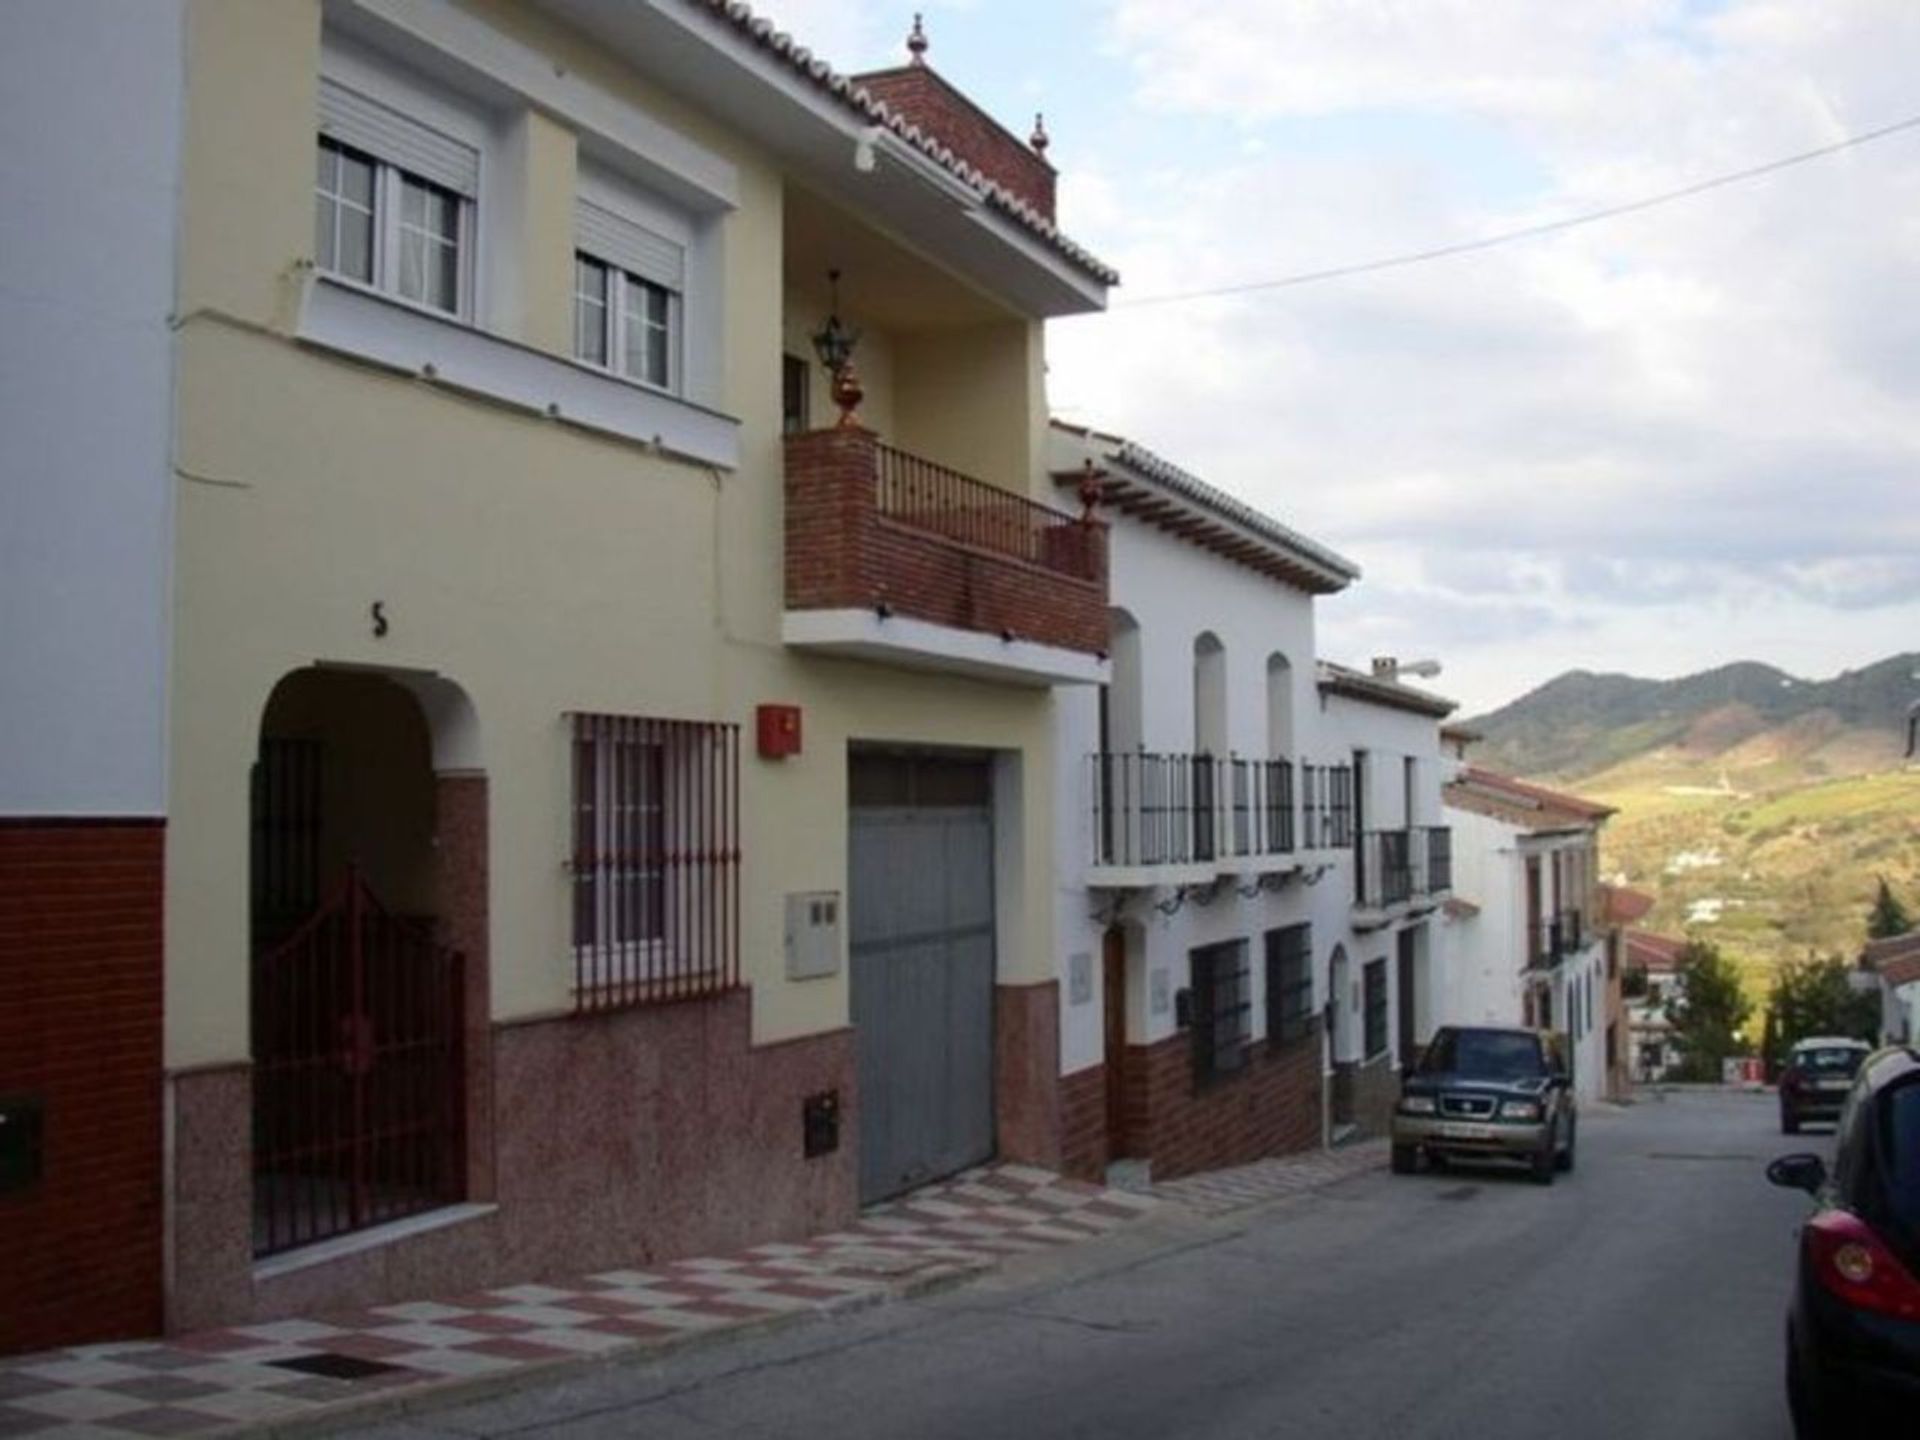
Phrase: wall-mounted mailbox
(22, 1118)
(813, 935)
(820, 1119)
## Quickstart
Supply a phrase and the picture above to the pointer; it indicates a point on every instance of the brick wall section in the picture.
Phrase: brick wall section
(622, 1138)
(1026, 1060)
(918, 95)
(80, 1016)
(1085, 1147)
(841, 554)
(1271, 1108)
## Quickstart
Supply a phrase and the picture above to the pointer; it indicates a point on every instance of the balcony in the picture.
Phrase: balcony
(1553, 940)
(893, 558)
(1326, 807)
(1432, 861)
(1383, 879)
(1188, 819)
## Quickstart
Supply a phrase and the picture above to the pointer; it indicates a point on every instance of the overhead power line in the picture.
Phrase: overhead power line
(1524, 232)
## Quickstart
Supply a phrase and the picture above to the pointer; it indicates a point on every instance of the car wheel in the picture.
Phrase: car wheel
(1564, 1160)
(1404, 1158)
(1543, 1163)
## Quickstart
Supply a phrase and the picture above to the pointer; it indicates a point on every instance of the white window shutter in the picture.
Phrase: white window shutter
(352, 119)
(630, 246)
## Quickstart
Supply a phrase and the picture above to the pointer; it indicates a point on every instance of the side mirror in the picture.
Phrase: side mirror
(1799, 1172)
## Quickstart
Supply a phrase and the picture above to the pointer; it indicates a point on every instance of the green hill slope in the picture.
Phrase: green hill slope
(1757, 808)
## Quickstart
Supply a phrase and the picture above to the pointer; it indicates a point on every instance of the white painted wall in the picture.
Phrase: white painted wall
(90, 105)
(1175, 592)
(1390, 738)
(1486, 951)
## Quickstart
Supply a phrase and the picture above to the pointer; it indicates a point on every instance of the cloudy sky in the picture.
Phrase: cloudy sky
(1653, 444)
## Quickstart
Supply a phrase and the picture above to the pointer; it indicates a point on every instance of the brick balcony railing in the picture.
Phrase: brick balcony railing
(873, 528)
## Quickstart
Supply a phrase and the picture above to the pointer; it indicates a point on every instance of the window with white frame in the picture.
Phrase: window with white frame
(629, 283)
(393, 202)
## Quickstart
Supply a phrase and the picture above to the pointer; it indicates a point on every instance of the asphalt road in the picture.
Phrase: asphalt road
(1640, 1297)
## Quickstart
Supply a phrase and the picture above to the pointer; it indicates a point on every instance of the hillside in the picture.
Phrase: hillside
(1757, 808)
(1580, 724)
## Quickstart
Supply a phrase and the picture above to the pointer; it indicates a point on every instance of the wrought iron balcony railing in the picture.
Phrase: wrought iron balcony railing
(1171, 809)
(1385, 873)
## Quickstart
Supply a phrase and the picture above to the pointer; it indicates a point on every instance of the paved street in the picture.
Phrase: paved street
(1640, 1297)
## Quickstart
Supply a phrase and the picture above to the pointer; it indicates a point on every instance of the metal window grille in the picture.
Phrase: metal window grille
(1338, 800)
(1144, 809)
(1205, 797)
(1279, 807)
(1386, 872)
(1439, 859)
(1374, 995)
(1222, 1004)
(1289, 984)
(1240, 782)
(286, 835)
(359, 1111)
(656, 860)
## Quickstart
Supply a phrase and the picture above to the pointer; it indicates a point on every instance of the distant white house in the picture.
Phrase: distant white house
(1527, 939)
(1895, 965)
(1657, 958)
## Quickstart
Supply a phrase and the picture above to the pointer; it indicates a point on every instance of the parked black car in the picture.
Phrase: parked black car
(1853, 1332)
(1488, 1092)
(1819, 1073)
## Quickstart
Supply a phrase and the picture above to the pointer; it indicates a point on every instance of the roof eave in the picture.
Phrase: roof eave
(736, 65)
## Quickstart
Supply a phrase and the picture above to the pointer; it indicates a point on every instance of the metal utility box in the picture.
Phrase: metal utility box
(813, 934)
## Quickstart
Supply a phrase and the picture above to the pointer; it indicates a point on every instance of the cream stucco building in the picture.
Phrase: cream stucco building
(553, 716)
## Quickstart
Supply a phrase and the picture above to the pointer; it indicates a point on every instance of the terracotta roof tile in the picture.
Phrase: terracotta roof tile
(1624, 906)
(856, 98)
(1903, 971)
(1657, 953)
(1894, 952)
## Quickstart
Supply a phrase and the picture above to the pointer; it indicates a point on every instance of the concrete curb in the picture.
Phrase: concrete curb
(454, 1390)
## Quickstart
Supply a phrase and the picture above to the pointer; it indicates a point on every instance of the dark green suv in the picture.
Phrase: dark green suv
(1488, 1092)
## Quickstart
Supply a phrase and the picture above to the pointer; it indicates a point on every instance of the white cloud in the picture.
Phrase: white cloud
(1664, 441)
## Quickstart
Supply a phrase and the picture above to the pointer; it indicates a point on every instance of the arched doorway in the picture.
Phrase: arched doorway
(368, 941)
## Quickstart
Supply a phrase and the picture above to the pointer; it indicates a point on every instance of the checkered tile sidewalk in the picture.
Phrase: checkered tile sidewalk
(290, 1370)
(1219, 1192)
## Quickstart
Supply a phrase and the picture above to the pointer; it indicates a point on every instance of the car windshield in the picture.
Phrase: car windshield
(1830, 1059)
(1484, 1055)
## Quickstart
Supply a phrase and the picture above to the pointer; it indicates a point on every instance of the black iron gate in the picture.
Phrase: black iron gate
(358, 1089)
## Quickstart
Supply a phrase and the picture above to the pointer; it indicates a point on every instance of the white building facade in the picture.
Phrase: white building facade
(1243, 958)
(1382, 907)
(1528, 945)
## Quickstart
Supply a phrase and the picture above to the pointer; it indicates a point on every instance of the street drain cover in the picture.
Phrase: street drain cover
(336, 1367)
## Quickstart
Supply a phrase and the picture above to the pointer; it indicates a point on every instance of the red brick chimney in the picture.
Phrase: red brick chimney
(919, 96)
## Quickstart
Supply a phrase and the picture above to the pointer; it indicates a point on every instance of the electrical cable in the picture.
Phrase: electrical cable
(1525, 232)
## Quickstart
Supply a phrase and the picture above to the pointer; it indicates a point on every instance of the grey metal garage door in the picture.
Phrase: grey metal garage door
(920, 917)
